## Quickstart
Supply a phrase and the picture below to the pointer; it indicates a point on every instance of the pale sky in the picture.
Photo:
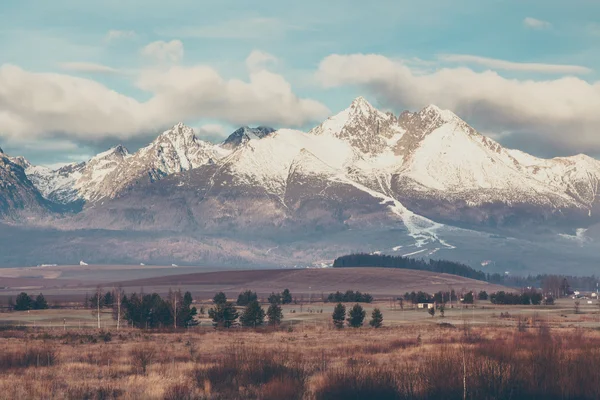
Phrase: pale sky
(77, 77)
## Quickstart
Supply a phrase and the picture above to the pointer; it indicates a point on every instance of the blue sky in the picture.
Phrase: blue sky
(132, 54)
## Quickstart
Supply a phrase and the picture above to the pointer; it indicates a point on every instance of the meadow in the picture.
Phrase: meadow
(499, 352)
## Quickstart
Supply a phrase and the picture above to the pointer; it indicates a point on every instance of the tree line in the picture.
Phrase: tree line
(25, 302)
(356, 316)
(555, 285)
(385, 261)
(224, 313)
(349, 296)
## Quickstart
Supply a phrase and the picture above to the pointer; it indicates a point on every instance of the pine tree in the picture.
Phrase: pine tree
(23, 302)
(40, 303)
(275, 314)
(339, 315)
(286, 296)
(253, 315)
(220, 298)
(246, 298)
(376, 318)
(274, 298)
(223, 314)
(356, 316)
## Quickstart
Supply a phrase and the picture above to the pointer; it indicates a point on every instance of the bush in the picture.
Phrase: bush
(142, 357)
(359, 383)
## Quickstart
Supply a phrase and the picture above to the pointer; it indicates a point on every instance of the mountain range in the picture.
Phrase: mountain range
(417, 184)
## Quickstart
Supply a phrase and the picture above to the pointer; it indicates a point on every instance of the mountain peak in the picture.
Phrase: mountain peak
(434, 112)
(244, 134)
(118, 151)
(360, 104)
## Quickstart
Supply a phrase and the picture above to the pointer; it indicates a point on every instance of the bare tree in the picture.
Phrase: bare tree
(119, 296)
(98, 299)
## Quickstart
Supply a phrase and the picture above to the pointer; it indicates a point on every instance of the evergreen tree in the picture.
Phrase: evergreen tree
(356, 316)
(286, 296)
(108, 300)
(339, 315)
(275, 314)
(186, 313)
(482, 295)
(220, 298)
(468, 298)
(376, 318)
(431, 311)
(246, 298)
(223, 314)
(23, 302)
(253, 315)
(274, 298)
(40, 303)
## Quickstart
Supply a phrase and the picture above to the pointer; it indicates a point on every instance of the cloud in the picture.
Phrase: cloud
(88, 67)
(114, 34)
(164, 51)
(258, 60)
(563, 112)
(41, 105)
(515, 66)
(211, 129)
(534, 23)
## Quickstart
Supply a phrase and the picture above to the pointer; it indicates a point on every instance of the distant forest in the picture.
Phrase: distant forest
(558, 284)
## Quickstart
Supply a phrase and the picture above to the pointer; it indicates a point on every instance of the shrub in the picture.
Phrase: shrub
(142, 357)
(359, 383)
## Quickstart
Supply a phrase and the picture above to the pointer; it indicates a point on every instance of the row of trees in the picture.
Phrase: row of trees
(356, 316)
(25, 302)
(525, 298)
(384, 261)
(152, 311)
(249, 296)
(225, 315)
(350, 296)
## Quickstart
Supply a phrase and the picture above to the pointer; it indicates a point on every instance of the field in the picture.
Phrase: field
(73, 282)
(519, 359)
(480, 351)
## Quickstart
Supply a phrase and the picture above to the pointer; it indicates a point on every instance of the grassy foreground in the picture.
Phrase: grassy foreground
(409, 362)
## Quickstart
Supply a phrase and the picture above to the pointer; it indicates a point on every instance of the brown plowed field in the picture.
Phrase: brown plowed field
(377, 281)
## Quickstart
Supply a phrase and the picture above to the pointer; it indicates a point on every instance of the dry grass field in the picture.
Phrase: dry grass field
(524, 356)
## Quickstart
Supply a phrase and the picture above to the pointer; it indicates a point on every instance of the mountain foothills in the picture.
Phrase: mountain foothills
(414, 184)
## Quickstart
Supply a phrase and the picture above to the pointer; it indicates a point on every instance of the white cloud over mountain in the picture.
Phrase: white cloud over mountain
(48, 104)
(562, 111)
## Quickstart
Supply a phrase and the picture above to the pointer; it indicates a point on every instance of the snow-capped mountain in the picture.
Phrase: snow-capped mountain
(361, 169)
(18, 196)
(244, 134)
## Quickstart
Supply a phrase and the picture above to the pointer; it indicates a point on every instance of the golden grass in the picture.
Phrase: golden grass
(422, 361)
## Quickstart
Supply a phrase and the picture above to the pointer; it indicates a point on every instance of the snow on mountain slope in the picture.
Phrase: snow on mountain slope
(363, 126)
(267, 162)
(175, 150)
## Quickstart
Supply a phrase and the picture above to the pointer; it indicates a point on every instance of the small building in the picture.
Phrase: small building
(425, 305)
